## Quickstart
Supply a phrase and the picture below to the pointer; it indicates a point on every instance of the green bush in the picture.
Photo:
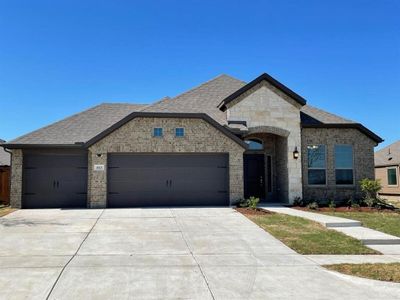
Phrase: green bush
(313, 205)
(370, 188)
(332, 205)
(252, 202)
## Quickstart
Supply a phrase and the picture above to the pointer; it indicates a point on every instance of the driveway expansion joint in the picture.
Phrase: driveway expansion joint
(73, 256)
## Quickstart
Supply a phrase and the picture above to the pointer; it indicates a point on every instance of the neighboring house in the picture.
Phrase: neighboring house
(4, 175)
(387, 163)
(212, 145)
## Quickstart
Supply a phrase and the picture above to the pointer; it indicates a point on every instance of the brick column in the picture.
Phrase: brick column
(97, 180)
(16, 179)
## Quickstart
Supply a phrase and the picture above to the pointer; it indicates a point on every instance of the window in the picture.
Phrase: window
(179, 132)
(392, 176)
(254, 144)
(344, 164)
(158, 132)
(316, 164)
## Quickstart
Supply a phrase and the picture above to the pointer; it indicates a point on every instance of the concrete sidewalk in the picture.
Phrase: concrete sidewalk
(352, 259)
(382, 242)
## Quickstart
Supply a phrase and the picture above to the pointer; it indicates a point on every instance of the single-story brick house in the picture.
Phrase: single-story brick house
(212, 145)
(387, 168)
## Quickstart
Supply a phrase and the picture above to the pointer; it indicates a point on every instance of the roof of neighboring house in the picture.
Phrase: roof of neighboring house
(390, 155)
(205, 98)
(4, 156)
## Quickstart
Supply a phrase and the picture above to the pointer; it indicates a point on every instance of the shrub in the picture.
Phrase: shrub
(297, 201)
(370, 188)
(313, 205)
(252, 202)
(332, 205)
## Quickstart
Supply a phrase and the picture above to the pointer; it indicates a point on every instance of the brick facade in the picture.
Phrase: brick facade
(363, 155)
(16, 178)
(136, 136)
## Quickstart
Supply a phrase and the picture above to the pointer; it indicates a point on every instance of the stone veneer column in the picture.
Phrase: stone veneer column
(97, 181)
(295, 184)
(16, 178)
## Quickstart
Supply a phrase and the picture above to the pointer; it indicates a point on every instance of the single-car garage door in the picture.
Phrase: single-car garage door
(167, 179)
(54, 180)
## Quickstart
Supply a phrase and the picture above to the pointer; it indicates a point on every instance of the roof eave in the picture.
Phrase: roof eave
(40, 146)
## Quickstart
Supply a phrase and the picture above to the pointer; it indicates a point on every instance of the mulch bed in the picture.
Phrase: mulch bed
(253, 212)
(344, 209)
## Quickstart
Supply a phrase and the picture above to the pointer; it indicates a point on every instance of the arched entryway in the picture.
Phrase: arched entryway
(265, 164)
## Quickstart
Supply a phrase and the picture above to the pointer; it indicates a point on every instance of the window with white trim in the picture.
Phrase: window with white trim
(316, 156)
(344, 165)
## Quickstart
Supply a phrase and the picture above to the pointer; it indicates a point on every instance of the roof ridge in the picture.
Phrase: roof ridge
(204, 83)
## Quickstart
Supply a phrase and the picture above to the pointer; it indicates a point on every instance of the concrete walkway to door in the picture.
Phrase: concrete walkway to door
(166, 253)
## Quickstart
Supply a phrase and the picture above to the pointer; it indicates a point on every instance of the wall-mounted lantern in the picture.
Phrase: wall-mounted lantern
(295, 153)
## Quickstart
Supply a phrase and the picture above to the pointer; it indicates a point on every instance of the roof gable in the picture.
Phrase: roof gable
(263, 77)
(134, 115)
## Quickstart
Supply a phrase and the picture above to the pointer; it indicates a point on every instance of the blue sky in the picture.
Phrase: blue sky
(60, 57)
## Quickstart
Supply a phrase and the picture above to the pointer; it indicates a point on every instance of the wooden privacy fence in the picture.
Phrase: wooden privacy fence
(5, 185)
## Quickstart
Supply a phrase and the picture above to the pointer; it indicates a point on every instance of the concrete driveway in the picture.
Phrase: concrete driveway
(177, 253)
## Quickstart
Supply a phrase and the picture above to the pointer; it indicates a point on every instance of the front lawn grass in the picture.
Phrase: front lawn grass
(380, 271)
(5, 210)
(388, 222)
(308, 237)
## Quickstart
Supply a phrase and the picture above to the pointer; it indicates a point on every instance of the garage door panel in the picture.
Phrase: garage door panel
(55, 180)
(167, 179)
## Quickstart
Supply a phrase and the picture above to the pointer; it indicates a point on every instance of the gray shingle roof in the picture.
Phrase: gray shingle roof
(4, 156)
(201, 99)
(390, 155)
(204, 98)
(313, 115)
(80, 127)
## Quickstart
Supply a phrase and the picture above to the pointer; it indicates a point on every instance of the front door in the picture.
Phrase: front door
(254, 176)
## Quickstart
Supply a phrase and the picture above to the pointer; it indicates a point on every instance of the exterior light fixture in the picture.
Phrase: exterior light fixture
(295, 153)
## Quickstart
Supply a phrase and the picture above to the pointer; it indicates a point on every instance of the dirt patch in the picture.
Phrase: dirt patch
(5, 210)
(345, 209)
(253, 212)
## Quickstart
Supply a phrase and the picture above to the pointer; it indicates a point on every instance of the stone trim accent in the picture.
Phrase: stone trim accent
(268, 110)
(136, 136)
(270, 87)
(268, 129)
(16, 178)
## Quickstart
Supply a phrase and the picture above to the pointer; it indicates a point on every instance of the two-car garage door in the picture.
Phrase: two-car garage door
(167, 179)
(60, 179)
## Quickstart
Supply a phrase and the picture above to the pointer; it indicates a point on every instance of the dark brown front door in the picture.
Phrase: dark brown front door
(254, 176)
